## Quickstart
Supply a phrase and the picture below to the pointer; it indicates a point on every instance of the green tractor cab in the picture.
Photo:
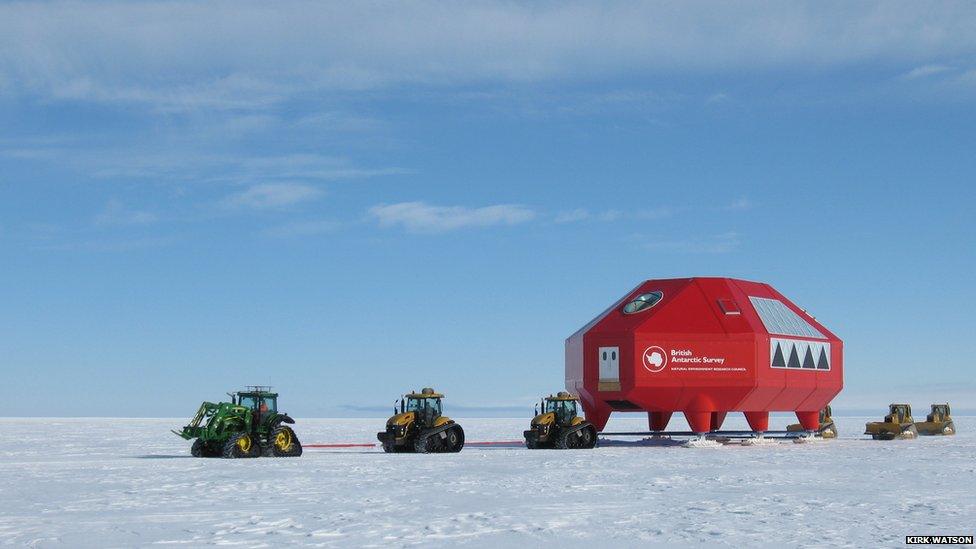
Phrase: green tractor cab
(827, 427)
(419, 426)
(557, 425)
(898, 424)
(247, 426)
(938, 422)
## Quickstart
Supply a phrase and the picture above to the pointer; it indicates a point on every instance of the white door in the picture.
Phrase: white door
(609, 368)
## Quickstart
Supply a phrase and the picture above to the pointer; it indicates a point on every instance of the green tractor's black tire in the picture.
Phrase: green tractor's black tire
(203, 449)
(199, 449)
(294, 450)
(233, 450)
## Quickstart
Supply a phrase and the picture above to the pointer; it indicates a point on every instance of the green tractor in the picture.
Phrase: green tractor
(247, 426)
(557, 425)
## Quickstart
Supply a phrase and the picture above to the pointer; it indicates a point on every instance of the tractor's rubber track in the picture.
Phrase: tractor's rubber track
(294, 450)
(432, 443)
(571, 439)
(232, 451)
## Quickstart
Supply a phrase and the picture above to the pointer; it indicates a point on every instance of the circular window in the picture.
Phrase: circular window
(643, 302)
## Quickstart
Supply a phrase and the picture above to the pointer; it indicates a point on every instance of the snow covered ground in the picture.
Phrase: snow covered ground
(129, 482)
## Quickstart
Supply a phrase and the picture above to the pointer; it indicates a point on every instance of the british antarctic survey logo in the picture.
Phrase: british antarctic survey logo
(655, 359)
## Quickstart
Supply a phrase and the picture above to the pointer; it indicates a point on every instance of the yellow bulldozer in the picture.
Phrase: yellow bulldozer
(418, 426)
(938, 422)
(557, 425)
(898, 424)
(827, 427)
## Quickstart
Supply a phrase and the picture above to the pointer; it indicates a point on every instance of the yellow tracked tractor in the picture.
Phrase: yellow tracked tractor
(556, 425)
(898, 424)
(418, 426)
(938, 422)
(827, 428)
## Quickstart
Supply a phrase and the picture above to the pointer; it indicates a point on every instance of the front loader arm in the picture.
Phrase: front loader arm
(192, 429)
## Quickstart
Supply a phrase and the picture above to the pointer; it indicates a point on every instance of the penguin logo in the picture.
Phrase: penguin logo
(655, 359)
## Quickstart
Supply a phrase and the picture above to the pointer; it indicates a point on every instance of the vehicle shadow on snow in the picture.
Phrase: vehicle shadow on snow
(162, 456)
(645, 443)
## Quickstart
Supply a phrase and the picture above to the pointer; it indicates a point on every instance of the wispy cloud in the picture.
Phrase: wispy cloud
(236, 92)
(712, 244)
(423, 217)
(717, 98)
(179, 56)
(116, 213)
(651, 214)
(297, 229)
(740, 204)
(228, 168)
(572, 216)
(583, 214)
(126, 244)
(271, 196)
(189, 166)
(925, 71)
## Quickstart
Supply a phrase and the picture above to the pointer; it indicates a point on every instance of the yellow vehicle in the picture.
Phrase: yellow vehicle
(418, 426)
(938, 422)
(827, 428)
(898, 424)
(557, 425)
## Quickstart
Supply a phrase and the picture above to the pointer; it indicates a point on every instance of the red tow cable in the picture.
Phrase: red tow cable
(373, 444)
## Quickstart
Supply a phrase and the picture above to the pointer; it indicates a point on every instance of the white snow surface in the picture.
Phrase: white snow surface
(130, 482)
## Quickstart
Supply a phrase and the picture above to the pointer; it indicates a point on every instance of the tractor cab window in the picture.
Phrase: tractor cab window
(562, 408)
(259, 403)
(422, 404)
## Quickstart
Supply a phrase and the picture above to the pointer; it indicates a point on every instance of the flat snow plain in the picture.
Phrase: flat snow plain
(129, 482)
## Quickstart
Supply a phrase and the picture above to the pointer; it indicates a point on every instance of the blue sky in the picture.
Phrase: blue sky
(351, 202)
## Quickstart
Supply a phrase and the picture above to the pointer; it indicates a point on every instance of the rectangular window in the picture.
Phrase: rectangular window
(729, 307)
(781, 320)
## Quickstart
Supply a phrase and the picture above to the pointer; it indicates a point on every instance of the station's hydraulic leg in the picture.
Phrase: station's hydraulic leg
(658, 421)
(758, 421)
(597, 415)
(700, 422)
(716, 420)
(809, 420)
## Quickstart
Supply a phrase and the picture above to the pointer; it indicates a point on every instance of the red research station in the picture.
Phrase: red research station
(704, 347)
